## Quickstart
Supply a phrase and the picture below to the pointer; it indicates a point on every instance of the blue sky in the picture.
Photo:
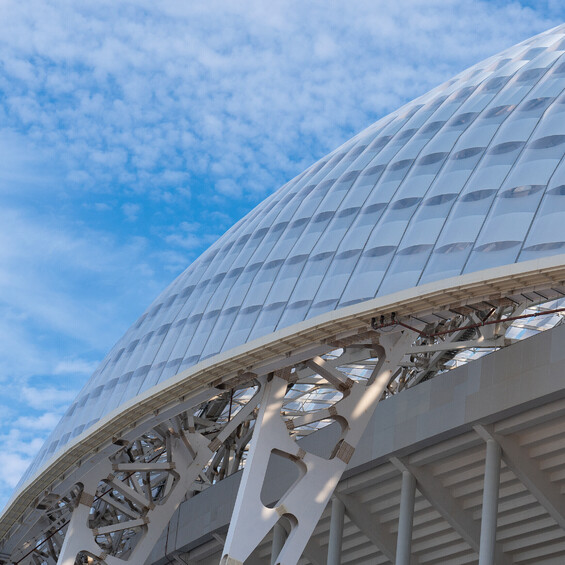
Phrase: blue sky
(133, 134)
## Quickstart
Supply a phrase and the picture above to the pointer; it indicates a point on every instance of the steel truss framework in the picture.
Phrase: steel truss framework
(119, 507)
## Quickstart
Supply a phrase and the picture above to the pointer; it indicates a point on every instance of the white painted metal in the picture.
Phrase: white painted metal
(305, 501)
(188, 452)
(291, 345)
(403, 358)
(433, 427)
(279, 537)
(405, 520)
(336, 532)
(490, 503)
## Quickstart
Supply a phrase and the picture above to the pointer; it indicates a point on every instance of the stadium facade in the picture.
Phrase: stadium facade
(245, 398)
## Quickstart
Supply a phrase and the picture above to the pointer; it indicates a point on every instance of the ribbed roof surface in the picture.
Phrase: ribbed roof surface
(467, 177)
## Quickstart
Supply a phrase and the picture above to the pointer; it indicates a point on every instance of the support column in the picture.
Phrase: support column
(406, 519)
(279, 537)
(336, 532)
(490, 503)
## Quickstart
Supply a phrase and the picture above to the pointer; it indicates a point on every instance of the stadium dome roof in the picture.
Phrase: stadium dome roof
(466, 177)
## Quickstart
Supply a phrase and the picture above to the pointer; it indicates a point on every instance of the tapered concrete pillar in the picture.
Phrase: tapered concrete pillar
(336, 532)
(279, 537)
(405, 519)
(490, 503)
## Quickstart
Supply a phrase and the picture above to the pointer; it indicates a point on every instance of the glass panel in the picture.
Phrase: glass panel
(465, 159)
(295, 312)
(178, 353)
(165, 351)
(406, 268)
(533, 52)
(337, 228)
(530, 75)
(334, 282)
(321, 308)
(461, 121)
(312, 275)
(542, 250)
(534, 107)
(287, 277)
(495, 165)
(368, 274)
(362, 226)
(548, 229)
(263, 282)
(240, 330)
(497, 114)
(396, 171)
(494, 84)
(492, 255)
(446, 261)
(429, 130)
(220, 331)
(199, 338)
(267, 319)
(331, 202)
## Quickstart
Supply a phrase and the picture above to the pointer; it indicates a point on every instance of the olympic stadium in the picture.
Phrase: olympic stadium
(367, 368)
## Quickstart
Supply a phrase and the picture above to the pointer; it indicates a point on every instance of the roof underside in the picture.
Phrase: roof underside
(438, 432)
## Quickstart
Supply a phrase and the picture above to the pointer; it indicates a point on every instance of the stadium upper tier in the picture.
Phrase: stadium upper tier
(466, 177)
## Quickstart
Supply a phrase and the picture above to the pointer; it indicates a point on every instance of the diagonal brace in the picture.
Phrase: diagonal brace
(369, 525)
(306, 499)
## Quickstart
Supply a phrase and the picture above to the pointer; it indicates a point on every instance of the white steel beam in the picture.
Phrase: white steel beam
(313, 552)
(187, 455)
(490, 503)
(279, 537)
(453, 345)
(405, 519)
(306, 499)
(336, 531)
(330, 373)
(194, 384)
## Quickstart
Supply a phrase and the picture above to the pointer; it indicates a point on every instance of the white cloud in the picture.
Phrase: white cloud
(48, 398)
(174, 88)
(12, 467)
(190, 236)
(74, 367)
(101, 206)
(44, 422)
(228, 187)
(17, 450)
(42, 267)
(131, 211)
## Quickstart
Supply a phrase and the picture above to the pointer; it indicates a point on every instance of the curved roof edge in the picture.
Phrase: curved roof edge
(261, 355)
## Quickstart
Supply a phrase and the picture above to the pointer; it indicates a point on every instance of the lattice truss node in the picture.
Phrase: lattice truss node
(122, 504)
